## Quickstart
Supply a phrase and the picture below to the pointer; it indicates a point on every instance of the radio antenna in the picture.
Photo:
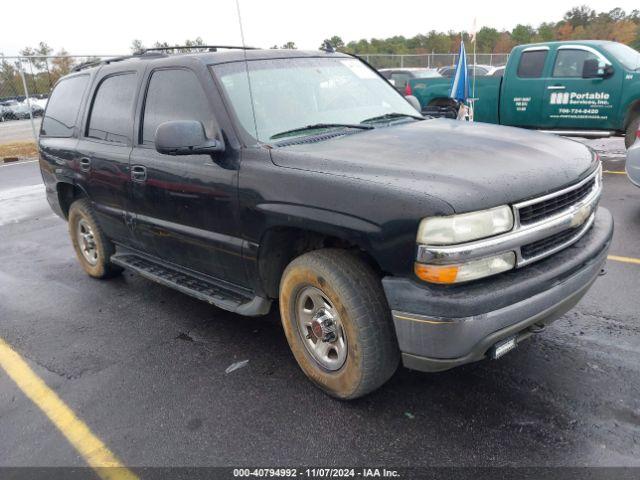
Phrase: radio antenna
(246, 66)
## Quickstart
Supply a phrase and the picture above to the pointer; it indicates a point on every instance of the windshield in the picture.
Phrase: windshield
(292, 93)
(627, 56)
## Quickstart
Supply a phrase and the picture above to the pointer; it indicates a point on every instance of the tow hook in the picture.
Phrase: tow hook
(537, 328)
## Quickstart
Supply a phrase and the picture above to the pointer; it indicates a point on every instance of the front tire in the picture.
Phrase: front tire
(337, 322)
(632, 130)
(92, 246)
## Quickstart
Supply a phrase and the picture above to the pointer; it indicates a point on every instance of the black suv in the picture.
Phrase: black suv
(250, 177)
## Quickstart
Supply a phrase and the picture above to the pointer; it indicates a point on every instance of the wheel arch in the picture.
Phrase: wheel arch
(442, 102)
(632, 111)
(279, 245)
(67, 194)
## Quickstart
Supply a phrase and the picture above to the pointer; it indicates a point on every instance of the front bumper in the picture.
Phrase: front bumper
(633, 163)
(441, 327)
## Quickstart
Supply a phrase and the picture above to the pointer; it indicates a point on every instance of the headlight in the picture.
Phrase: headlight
(464, 272)
(465, 227)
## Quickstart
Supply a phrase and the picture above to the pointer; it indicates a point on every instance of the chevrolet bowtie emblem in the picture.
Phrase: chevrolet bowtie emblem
(581, 216)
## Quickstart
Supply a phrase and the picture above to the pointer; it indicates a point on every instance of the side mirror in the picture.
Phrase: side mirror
(592, 68)
(415, 103)
(185, 137)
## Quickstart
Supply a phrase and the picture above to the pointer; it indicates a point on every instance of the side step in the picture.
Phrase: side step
(198, 286)
(581, 133)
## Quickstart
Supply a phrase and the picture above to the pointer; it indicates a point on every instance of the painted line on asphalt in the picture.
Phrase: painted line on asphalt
(17, 163)
(615, 172)
(94, 452)
(617, 258)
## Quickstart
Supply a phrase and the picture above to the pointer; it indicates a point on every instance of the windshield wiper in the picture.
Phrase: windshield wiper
(391, 116)
(318, 126)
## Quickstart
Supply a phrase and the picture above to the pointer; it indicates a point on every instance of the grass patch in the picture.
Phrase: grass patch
(18, 149)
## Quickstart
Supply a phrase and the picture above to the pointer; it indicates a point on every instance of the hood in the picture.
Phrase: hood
(471, 166)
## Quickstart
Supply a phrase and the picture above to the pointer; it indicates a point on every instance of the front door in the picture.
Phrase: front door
(184, 207)
(522, 91)
(575, 103)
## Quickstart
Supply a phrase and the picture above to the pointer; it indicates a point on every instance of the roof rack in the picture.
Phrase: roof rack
(106, 61)
(157, 52)
(210, 48)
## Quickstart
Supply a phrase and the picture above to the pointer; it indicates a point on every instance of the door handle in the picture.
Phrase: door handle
(138, 173)
(556, 87)
(85, 164)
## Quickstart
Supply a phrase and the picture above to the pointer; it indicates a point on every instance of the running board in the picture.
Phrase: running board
(581, 133)
(198, 286)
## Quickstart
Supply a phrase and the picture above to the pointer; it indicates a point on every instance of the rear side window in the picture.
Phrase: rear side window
(532, 63)
(401, 79)
(63, 106)
(175, 95)
(111, 114)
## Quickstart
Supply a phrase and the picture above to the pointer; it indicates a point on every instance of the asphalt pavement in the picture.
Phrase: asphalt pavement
(144, 367)
(18, 130)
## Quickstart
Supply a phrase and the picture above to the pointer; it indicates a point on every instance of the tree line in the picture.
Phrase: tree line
(42, 70)
(579, 23)
(44, 67)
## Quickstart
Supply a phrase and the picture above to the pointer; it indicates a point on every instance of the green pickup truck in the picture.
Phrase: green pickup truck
(578, 88)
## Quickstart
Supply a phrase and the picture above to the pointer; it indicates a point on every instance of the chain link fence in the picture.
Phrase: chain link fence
(25, 84)
(431, 60)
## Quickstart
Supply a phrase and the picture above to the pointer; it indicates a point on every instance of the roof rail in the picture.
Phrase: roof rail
(156, 52)
(106, 61)
(210, 48)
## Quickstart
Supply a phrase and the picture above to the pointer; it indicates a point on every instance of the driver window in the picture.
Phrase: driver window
(175, 95)
(569, 63)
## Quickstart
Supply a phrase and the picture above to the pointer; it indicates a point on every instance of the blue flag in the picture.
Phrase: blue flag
(460, 82)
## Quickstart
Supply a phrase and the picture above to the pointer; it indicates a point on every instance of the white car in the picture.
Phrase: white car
(633, 161)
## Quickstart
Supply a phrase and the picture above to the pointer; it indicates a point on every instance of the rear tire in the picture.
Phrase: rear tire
(335, 284)
(92, 246)
(632, 131)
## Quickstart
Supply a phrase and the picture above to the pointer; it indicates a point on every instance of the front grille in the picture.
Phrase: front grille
(547, 208)
(534, 249)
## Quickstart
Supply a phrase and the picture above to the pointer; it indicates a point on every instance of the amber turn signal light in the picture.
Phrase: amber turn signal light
(436, 273)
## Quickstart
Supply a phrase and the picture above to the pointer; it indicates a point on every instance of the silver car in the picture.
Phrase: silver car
(633, 161)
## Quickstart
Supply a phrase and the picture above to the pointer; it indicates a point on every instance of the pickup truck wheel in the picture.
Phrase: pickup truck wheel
(337, 322)
(632, 129)
(92, 247)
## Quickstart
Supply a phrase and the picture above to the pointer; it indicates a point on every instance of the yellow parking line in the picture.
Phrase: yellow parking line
(615, 171)
(95, 453)
(617, 258)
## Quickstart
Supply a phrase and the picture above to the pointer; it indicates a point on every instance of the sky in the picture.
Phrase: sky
(105, 28)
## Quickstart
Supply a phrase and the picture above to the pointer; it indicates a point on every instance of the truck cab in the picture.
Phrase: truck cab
(581, 88)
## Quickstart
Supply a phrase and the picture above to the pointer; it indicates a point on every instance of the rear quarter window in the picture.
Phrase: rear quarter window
(532, 63)
(63, 107)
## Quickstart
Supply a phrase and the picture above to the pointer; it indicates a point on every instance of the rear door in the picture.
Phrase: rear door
(573, 102)
(104, 149)
(523, 87)
(184, 207)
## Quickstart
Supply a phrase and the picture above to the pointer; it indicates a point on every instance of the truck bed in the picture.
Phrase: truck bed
(435, 91)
